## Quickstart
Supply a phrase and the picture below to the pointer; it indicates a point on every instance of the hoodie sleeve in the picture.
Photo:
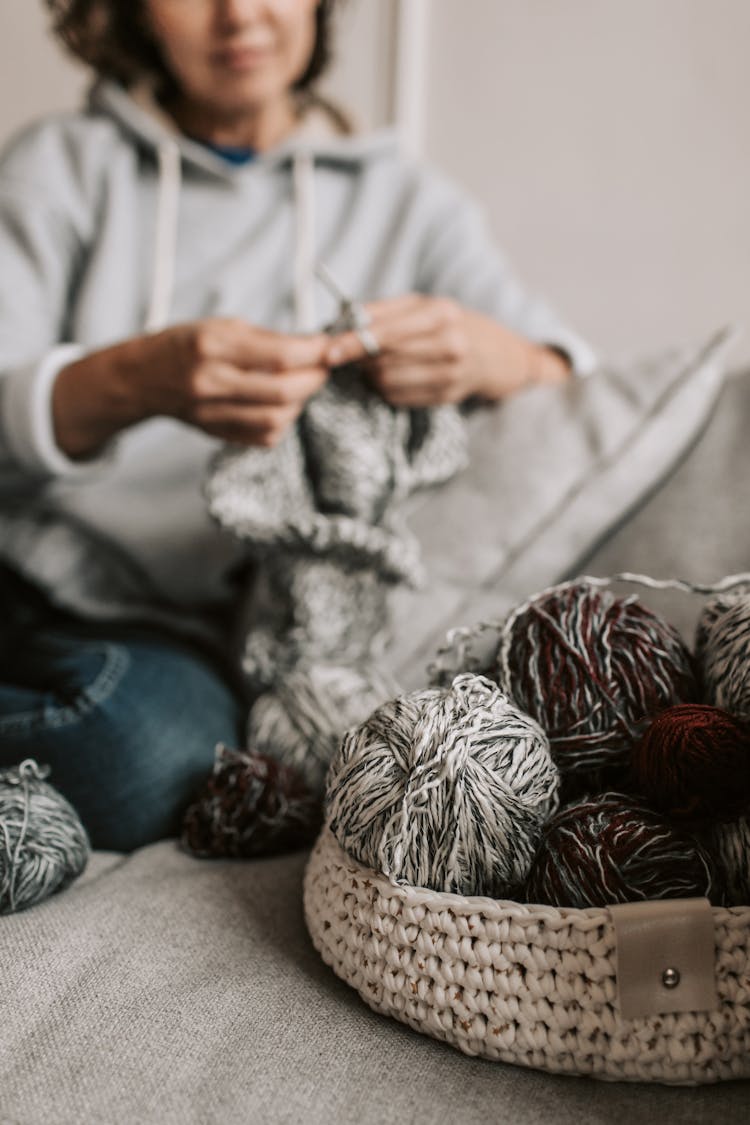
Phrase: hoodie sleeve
(460, 260)
(41, 247)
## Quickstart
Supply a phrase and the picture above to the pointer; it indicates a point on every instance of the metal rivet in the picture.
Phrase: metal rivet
(670, 978)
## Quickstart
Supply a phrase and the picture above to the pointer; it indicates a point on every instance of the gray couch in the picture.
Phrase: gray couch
(164, 989)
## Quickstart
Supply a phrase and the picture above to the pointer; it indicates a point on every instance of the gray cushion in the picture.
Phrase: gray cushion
(168, 990)
(553, 472)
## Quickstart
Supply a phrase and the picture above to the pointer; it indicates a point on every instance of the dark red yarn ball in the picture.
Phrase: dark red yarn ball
(592, 669)
(693, 763)
(613, 848)
(251, 805)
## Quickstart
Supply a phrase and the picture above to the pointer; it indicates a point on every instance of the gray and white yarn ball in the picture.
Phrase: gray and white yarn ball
(729, 844)
(446, 788)
(43, 845)
(722, 649)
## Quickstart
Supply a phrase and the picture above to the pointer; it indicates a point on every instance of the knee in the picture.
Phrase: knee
(131, 736)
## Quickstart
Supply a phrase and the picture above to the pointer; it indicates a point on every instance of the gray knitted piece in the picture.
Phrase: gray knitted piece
(331, 488)
(321, 514)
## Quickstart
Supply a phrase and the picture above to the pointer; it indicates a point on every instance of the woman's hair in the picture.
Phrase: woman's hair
(111, 37)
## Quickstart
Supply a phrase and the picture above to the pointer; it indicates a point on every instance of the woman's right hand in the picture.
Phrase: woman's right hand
(237, 382)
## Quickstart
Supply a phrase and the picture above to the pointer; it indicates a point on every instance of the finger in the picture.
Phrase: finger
(247, 346)
(431, 384)
(415, 397)
(420, 327)
(388, 308)
(223, 382)
(246, 425)
(392, 372)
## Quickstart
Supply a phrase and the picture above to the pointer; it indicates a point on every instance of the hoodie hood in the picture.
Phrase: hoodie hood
(319, 134)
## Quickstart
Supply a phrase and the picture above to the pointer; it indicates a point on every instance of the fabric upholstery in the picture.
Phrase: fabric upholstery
(165, 989)
(552, 474)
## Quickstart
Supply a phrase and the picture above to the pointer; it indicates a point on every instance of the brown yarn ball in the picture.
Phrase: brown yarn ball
(592, 669)
(693, 763)
(612, 848)
(251, 805)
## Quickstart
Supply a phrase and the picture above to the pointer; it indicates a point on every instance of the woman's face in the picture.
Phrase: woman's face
(234, 57)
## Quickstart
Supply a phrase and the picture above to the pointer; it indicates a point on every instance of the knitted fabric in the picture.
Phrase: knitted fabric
(332, 487)
(321, 514)
(301, 720)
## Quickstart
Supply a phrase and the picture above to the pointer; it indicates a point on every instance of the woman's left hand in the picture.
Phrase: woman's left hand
(432, 350)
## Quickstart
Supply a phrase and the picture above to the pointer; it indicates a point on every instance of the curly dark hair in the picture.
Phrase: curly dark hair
(111, 37)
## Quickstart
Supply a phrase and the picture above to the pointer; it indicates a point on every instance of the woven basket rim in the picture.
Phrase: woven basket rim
(494, 909)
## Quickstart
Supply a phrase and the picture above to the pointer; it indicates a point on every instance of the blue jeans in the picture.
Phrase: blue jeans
(126, 717)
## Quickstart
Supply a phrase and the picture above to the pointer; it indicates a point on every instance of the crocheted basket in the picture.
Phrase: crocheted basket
(531, 985)
(536, 985)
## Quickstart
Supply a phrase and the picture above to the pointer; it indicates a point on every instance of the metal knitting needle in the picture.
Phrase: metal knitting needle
(352, 316)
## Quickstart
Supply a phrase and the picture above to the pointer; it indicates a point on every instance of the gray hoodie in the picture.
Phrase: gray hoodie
(112, 224)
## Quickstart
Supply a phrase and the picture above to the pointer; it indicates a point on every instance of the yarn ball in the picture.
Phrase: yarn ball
(613, 848)
(729, 844)
(693, 763)
(251, 805)
(722, 648)
(445, 788)
(43, 845)
(592, 669)
(301, 721)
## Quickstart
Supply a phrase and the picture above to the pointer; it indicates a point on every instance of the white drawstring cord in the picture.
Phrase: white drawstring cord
(165, 239)
(304, 250)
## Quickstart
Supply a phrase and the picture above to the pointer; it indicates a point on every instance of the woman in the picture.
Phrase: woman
(158, 297)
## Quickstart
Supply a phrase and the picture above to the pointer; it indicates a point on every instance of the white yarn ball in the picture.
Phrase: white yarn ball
(722, 648)
(447, 788)
(730, 844)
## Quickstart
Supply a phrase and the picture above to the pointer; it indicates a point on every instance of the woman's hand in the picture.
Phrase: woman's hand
(237, 382)
(433, 350)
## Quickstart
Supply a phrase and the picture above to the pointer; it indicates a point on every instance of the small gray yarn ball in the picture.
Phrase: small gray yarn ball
(446, 788)
(43, 845)
(722, 649)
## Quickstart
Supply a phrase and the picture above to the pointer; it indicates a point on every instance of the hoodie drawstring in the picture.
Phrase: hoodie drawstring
(304, 248)
(165, 240)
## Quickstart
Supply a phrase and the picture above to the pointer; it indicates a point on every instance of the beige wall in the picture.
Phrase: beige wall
(608, 140)
(34, 76)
